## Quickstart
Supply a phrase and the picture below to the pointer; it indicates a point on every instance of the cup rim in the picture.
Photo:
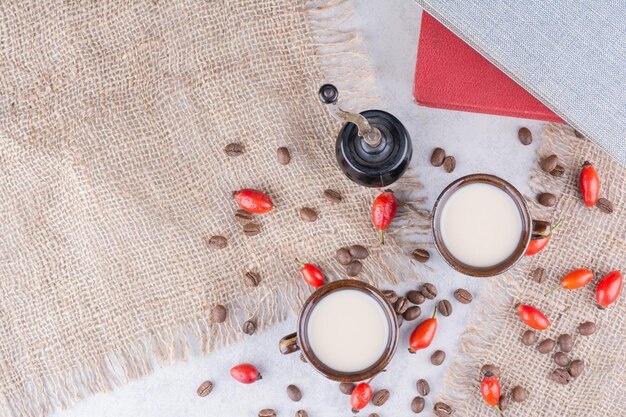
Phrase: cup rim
(520, 201)
(318, 365)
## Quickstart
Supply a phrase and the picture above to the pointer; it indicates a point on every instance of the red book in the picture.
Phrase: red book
(449, 74)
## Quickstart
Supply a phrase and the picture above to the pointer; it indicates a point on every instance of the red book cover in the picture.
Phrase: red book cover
(449, 74)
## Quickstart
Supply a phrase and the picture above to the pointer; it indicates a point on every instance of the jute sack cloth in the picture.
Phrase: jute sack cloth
(587, 238)
(114, 118)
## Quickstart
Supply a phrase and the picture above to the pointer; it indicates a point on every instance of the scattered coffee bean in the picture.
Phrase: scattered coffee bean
(422, 387)
(216, 242)
(354, 268)
(359, 252)
(374, 415)
(438, 357)
(547, 199)
(400, 319)
(558, 171)
(302, 413)
(308, 214)
(415, 297)
(449, 163)
(519, 394)
(545, 346)
(283, 155)
(234, 149)
(421, 255)
(219, 313)
(529, 337)
(539, 275)
(205, 388)
(566, 342)
(445, 307)
(243, 217)
(503, 403)
(578, 134)
(343, 256)
(524, 135)
(302, 358)
(249, 327)
(332, 196)
(267, 412)
(251, 229)
(294, 393)
(560, 376)
(429, 290)
(561, 359)
(549, 163)
(346, 388)
(251, 279)
(436, 159)
(390, 295)
(605, 205)
(587, 328)
(576, 368)
(442, 409)
(380, 397)
(401, 305)
(463, 296)
(412, 313)
(490, 368)
(417, 405)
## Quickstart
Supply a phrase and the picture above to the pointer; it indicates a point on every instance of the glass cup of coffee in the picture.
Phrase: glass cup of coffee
(347, 331)
(482, 226)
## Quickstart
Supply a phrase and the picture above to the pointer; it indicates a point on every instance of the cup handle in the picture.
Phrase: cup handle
(289, 344)
(541, 229)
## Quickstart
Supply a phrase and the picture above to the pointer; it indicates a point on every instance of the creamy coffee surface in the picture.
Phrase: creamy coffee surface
(348, 330)
(481, 225)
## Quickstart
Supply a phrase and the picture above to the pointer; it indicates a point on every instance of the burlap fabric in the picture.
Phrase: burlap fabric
(114, 116)
(587, 238)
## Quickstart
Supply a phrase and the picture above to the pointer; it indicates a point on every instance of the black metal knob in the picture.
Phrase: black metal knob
(328, 94)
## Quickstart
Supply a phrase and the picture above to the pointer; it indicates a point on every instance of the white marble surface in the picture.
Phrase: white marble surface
(479, 142)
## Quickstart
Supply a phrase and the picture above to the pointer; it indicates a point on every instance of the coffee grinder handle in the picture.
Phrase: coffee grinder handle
(289, 344)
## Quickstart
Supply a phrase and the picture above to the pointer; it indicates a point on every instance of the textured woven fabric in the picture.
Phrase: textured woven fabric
(113, 174)
(567, 54)
(587, 238)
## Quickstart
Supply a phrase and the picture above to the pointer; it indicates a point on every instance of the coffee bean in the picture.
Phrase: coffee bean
(354, 268)
(216, 242)
(359, 252)
(412, 313)
(578, 134)
(343, 256)
(463, 296)
(445, 307)
(294, 393)
(429, 290)
(401, 305)
(449, 163)
(566, 343)
(561, 359)
(251, 229)
(549, 163)
(390, 295)
(283, 155)
(576, 368)
(417, 405)
(546, 199)
(308, 214)
(234, 149)
(219, 313)
(346, 388)
(560, 376)
(605, 205)
(267, 412)
(519, 394)
(415, 297)
(243, 217)
(438, 357)
(421, 255)
(399, 319)
(524, 135)
(503, 403)
(545, 346)
(249, 327)
(374, 415)
(442, 409)
(436, 159)
(587, 328)
(205, 388)
(251, 279)
(529, 337)
(539, 275)
(380, 397)
(332, 196)
(558, 171)
(422, 387)
(302, 413)
(490, 368)
(302, 358)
